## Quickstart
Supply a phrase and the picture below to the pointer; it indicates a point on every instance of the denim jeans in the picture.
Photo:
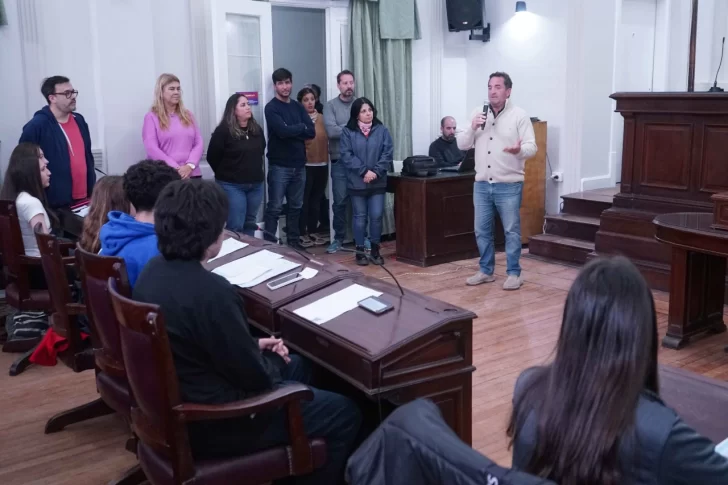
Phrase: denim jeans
(288, 182)
(368, 207)
(341, 198)
(506, 199)
(244, 200)
(328, 415)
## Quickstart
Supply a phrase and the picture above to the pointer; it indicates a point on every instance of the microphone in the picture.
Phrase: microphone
(381, 265)
(278, 240)
(715, 88)
(486, 105)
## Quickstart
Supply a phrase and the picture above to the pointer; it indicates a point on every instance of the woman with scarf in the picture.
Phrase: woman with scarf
(367, 152)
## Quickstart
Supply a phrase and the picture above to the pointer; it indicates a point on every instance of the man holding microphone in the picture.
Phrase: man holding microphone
(503, 137)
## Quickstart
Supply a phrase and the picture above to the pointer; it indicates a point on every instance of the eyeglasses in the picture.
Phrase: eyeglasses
(68, 94)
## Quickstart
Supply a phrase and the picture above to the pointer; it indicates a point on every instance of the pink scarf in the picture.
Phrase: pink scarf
(365, 128)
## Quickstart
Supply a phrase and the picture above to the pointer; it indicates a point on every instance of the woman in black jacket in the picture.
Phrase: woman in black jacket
(235, 154)
(594, 416)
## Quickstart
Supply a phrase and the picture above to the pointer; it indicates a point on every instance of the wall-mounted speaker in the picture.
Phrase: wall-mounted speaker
(464, 15)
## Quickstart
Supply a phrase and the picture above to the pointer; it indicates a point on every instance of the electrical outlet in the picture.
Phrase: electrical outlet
(557, 176)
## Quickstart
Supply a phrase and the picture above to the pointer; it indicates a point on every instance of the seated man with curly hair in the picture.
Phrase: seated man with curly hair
(131, 236)
(216, 359)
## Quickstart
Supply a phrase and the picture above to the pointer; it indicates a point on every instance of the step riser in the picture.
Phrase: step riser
(647, 249)
(572, 229)
(584, 207)
(558, 251)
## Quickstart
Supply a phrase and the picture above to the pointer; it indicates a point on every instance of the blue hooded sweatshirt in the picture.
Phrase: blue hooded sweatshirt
(133, 241)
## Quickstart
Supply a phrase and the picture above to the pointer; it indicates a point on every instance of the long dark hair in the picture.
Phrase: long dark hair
(23, 175)
(586, 400)
(230, 121)
(108, 195)
(356, 107)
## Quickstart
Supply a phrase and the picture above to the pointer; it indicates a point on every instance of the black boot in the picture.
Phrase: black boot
(361, 258)
(376, 257)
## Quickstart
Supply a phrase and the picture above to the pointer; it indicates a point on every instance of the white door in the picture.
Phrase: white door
(242, 52)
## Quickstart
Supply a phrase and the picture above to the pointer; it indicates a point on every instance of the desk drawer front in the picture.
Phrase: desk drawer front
(328, 352)
(261, 315)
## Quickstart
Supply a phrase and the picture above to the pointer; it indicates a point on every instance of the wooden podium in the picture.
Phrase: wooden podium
(674, 158)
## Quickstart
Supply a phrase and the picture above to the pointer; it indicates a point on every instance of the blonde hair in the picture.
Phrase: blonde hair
(158, 107)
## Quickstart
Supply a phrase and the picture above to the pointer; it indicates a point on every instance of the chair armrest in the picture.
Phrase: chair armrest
(266, 401)
(29, 260)
(69, 260)
(76, 309)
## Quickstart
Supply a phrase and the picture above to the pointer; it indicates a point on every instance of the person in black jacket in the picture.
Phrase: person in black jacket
(216, 359)
(595, 415)
(445, 149)
(366, 152)
(235, 154)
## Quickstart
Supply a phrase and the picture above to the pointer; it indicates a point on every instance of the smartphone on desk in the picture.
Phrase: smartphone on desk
(374, 305)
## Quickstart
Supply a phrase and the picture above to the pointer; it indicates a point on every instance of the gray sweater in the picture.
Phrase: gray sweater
(336, 116)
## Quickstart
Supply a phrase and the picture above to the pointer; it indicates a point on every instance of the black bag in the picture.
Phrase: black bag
(419, 166)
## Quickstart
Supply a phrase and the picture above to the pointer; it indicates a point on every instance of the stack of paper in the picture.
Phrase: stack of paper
(330, 307)
(82, 211)
(229, 245)
(255, 268)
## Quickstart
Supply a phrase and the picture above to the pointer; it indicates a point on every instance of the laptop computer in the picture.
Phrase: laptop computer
(467, 165)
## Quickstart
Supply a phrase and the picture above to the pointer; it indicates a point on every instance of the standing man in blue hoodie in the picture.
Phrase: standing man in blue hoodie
(132, 237)
(289, 126)
(64, 137)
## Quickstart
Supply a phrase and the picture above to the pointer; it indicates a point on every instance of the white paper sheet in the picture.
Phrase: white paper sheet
(330, 307)
(251, 273)
(722, 448)
(82, 211)
(278, 268)
(229, 245)
(264, 259)
(308, 273)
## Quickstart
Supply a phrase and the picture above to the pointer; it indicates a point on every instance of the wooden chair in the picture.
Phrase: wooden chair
(79, 355)
(18, 292)
(111, 380)
(159, 417)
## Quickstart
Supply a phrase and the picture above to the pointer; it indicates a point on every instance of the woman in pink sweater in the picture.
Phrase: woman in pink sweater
(170, 132)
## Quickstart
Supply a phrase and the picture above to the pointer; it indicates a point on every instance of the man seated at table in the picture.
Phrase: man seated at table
(131, 236)
(216, 358)
(445, 149)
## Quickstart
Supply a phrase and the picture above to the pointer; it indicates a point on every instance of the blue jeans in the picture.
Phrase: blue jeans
(244, 200)
(341, 199)
(506, 199)
(288, 182)
(371, 207)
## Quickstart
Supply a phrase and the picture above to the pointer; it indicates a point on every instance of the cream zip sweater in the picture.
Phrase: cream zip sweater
(492, 164)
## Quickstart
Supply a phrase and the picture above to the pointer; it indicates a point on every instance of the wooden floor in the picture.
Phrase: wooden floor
(514, 330)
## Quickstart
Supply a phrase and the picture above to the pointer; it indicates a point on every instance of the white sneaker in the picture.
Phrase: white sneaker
(479, 278)
(513, 282)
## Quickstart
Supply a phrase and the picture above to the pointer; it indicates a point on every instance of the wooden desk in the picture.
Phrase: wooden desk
(434, 217)
(71, 223)
(421, 348)
(697, 275)
(700, 401)
(261, 303)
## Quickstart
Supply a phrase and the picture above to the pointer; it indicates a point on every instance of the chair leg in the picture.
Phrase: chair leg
(133, 476)
(91, 410)
(21, 363)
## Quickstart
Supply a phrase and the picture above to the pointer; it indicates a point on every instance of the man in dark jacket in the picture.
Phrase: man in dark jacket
(445, 149)
(415, 445)
(65, 140)
(216, 359)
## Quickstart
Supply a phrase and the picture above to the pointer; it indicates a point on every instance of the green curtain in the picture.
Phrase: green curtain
(383, 68)
(3, 15)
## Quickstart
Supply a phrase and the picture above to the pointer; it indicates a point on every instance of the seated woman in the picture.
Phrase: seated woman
(25, 181)
(108, 195)
(594, 416)
(216, 359)
(367, 153)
